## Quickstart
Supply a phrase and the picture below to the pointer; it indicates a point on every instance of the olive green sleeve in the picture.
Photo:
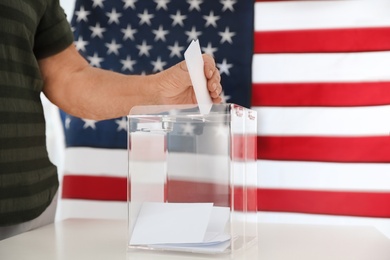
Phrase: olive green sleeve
(54, 33)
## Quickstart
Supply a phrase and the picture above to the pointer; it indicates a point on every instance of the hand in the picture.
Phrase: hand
(84, 91)
(175, 87)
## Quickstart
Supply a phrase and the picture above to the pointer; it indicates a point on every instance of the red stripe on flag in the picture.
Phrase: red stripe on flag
(321, 94)
(325, 149)
(322, 40)
(372, 204)
(365, 204)
(115, 189)
(220, 195)
(94, 187)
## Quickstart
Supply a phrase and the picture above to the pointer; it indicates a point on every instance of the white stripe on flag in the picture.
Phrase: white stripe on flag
(292, 15)
(182, 166)
(95, 161)
(324, 176)
(72, 208)
(337, 121)
(334, 67)
(382, 224)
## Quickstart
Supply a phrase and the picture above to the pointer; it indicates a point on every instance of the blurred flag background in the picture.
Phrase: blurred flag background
(145, 37)
(318, 76)
(321, 87)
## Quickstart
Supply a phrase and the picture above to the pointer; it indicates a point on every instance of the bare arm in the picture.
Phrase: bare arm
(87, 92)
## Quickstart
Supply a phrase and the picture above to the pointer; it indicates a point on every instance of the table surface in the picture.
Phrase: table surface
(106, 239)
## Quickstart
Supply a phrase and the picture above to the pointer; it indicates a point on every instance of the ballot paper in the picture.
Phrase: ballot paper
(195, 65)
(182, 226)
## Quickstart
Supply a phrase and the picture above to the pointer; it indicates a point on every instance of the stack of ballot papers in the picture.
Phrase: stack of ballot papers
(195, 227)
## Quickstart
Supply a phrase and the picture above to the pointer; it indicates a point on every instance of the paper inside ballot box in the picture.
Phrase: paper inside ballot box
(170, 225)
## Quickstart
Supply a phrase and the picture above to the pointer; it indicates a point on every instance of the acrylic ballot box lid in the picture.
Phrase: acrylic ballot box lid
(192, 178)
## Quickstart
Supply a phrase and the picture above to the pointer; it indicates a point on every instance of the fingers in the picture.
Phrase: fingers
(213, 79)
(209, 66)
(214, 86)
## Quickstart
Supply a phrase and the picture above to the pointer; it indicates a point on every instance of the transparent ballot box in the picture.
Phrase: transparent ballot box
(192, 178)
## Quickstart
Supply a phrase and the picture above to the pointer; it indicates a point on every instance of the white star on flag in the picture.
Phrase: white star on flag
(193, 34)
(228, 5)
(113, 47)
(211, 19)
(227, 35)
(129, 3)
(176, 50)
(80, 44)
(97, 30)
(128, 64)
(98, 3)
(178, 18)
(89, 123)
(144, 49)
(194, 4)
(224, 67)
(128, 33)
(122, 124)
(95, 60)
(160, 34)
(209, 49)
(161, 4)
(158, 65)
(113, 16)
(145, 17)
(82, 15)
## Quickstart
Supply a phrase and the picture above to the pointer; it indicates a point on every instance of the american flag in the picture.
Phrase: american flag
(321, 87)
(145, 37)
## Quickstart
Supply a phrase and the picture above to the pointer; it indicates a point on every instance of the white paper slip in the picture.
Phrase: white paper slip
(218, 220)
(200, 248)
(162, 223)
(195, 65)
(182, 226)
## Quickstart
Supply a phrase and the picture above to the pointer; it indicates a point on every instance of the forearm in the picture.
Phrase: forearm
(98, 94)
(88, 92)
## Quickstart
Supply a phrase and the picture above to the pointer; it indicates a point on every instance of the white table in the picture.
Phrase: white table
(86, 239)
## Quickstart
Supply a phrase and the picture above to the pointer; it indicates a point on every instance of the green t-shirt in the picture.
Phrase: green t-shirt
(29, 30)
